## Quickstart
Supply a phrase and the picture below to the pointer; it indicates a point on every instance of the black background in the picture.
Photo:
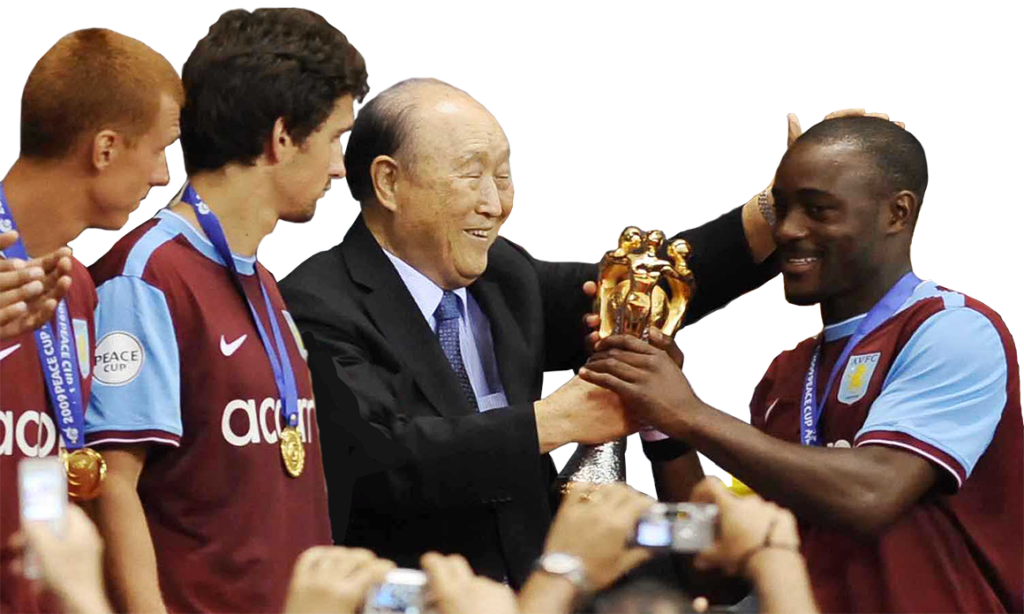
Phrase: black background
(627, 120)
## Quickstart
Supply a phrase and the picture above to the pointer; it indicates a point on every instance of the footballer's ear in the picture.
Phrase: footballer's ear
(902, 211)
(106, 146)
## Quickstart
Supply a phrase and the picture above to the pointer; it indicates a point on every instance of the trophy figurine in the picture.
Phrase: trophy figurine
(642, 284)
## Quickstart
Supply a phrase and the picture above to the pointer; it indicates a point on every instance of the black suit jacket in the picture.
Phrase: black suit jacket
(462, 481)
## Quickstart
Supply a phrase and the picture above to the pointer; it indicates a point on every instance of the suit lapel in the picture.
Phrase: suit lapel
(396, 315)
(510, 349)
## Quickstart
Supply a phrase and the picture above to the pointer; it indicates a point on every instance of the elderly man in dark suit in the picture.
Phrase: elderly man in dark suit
(442, 330)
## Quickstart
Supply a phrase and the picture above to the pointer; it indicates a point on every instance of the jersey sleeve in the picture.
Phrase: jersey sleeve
(136, 390)
(945, 393)
(760, 408)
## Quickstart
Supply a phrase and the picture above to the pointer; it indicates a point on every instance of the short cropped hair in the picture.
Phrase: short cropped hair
(92, 80)
(897, 154)
(384, 127)
(253, 68)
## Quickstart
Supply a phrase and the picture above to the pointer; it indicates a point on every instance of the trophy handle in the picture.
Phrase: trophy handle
(608, 299)
(682, 290)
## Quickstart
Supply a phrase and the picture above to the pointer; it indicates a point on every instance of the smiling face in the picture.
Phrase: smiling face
(453, 189)
(831, 225)
(134, 169)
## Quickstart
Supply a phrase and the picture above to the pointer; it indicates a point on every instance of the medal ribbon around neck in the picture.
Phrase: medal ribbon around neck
(280, 363)
(58, 354)
(812, 406)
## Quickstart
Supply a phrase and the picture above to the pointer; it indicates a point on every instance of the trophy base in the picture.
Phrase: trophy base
(594, 466)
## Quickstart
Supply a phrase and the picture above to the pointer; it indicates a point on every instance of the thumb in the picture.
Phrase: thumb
(666, 344)
(794, 129)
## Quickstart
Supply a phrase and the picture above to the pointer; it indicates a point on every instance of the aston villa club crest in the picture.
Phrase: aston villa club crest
(857, 377)
(81, 328)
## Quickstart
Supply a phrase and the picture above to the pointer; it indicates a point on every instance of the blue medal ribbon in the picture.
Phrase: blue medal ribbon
(58, 354)
(811, 405)
(280, 363)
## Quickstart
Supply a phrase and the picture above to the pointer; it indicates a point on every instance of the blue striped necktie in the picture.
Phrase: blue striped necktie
(447, 316)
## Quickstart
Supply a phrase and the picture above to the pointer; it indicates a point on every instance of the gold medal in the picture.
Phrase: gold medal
(292, 451)
(85, 470)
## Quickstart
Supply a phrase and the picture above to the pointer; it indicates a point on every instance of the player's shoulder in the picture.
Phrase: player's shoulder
(943, 311)
(80, 277)
(147, 252)
(83, 290)
(798, 352)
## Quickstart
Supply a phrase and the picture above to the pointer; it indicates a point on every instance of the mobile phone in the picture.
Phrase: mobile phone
(403, 590)
(42, 497)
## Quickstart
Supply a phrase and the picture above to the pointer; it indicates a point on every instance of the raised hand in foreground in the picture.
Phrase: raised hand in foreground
(595, 527)
(30, 290)
(333, 579)
(758, 540)
(455, 589)
(70, 564)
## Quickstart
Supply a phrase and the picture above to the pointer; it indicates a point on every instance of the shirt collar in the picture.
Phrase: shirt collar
(424, 291)
(848, 327)
(246, 265)
(843, 329)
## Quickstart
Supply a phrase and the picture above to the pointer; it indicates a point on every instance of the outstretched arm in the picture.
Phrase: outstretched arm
(861, 488)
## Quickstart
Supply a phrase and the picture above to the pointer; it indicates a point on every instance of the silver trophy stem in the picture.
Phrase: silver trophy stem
(600, 464)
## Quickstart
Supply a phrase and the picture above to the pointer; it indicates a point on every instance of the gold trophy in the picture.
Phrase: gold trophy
(642, 284)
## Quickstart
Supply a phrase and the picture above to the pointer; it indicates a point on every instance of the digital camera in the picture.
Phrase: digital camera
(42, 497)
(677, 527)
(403, 590)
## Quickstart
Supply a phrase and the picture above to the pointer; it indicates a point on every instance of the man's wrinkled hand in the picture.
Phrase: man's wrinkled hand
(591, 321)
(647, 379)
(598, 415)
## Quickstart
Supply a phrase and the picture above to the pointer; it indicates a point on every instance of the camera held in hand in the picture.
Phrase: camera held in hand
(677, 527)
(403, 591)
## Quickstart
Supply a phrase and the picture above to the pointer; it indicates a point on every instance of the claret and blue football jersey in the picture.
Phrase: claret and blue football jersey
(27, 425)
(180, 368)
(939, 379)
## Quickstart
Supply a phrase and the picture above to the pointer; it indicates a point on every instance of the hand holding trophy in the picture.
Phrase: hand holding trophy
(642, 284)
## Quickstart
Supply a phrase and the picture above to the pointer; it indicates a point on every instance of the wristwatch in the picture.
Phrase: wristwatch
(566, 566)
(766, 207)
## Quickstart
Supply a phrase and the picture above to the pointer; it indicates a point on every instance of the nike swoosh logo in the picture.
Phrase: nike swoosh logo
(229, 348)
(9, 351)
(770, 408)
